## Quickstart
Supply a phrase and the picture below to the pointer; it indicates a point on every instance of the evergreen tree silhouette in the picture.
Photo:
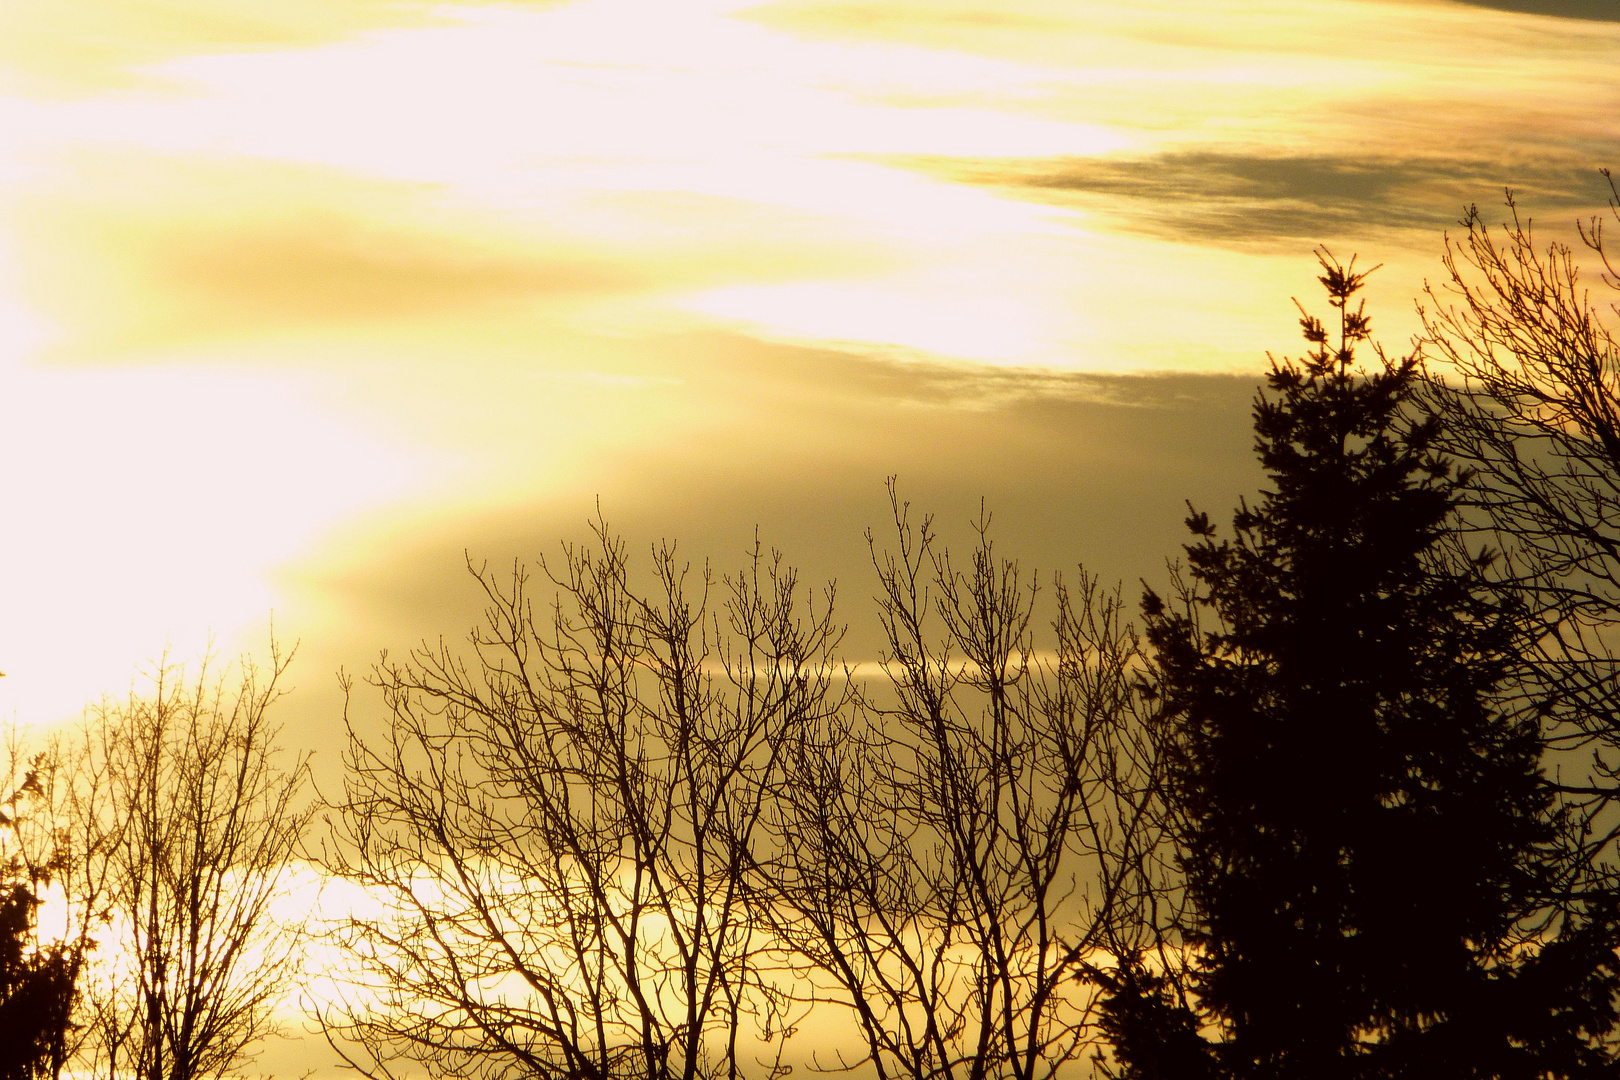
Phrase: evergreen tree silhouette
(1373, 861)
(36, 983)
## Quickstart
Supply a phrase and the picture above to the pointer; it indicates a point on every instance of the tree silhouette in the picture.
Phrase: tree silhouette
(644, 833)
(1529, 395)
(955, 846)
(559, 830)
(1373, 863)
(191, 825)
(37, 981)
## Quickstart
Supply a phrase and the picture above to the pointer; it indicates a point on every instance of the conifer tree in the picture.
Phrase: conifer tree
(36, 982)
(1373, 861)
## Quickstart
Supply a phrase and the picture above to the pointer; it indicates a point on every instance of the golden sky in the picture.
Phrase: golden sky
(300, 300)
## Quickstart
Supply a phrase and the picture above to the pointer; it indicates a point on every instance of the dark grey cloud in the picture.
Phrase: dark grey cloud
(1256, 199)
(1607, 10)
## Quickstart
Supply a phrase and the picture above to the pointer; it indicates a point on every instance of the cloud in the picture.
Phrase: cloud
(180, 251)
(1261, 200)
(72, 47)
(310, 269)
(798, 443)
(915, 382)
(1602, 10)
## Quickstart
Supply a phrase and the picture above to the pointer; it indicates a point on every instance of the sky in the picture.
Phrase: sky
(303, 304)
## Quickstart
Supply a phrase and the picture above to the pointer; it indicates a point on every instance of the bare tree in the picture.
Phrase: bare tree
(961, 852)
(557, 827)
(1528, 393)
(193, 824)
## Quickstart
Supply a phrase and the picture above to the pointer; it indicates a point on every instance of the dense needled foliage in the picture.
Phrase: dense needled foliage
(1371, 857)
(36, 983)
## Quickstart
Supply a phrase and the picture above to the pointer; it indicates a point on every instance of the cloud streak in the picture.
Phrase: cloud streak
(1266, 200)
(189, 251)
(1602, 10)
(77, 47)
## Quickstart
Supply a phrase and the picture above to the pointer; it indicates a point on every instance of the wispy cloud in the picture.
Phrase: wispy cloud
(185, 251)
(1261, 200)
(1605, 10)
(78, 47)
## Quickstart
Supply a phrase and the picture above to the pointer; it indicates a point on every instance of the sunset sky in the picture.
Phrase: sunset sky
(301, 300)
